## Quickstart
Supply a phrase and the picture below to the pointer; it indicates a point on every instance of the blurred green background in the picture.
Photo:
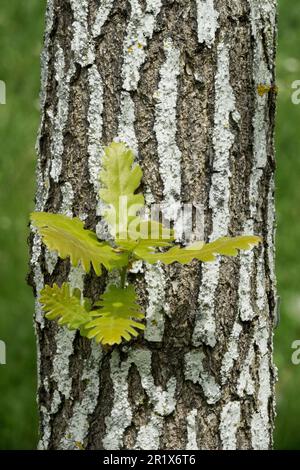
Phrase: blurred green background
(21, 29)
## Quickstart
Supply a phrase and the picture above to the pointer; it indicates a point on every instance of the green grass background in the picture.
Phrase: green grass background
(21, 29)
(287, 435)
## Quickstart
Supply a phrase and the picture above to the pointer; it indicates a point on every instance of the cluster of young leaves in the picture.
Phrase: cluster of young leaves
(113, 317)
(108, 320)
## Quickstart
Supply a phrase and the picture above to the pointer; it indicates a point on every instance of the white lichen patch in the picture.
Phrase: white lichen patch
(139, 31)
(126, 131)
(51, 258)
(78, 425)
(165, 128)
(121, 413)
(191, 420)
(67, 199)
(232, 353)
(263, 21)
(148, 437)
(198, 373)
(63, 78)
(205, 324)
(260, 426)
(162, 401)
(82, 43)
(245, 384)
(259, 433)
(246, 310)
(155, 285)
(45, 429)
(230, 422)
(76, 278)
(43, 183)
(64, 349)
(46, 420)
(104, 10)
(94, 117)
(137, 267)
(261, 291)
(207, 20)
(249, 303)
(38, 276)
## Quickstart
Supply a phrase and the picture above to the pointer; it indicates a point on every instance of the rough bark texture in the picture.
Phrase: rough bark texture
(177, 80)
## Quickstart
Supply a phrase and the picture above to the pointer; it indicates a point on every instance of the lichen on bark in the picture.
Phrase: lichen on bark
(176, 80)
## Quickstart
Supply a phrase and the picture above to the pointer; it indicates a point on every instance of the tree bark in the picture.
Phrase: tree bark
(178, 80)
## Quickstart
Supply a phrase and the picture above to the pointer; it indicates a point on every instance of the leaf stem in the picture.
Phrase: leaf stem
(123, 274)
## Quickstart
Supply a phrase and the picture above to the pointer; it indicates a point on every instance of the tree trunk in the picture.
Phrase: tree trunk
(178, 80)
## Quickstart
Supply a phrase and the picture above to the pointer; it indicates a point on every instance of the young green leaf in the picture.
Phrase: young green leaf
(114, 319)
(120, 179)
(200, 251)
(59, 304)
(227, 246)
(70, 239)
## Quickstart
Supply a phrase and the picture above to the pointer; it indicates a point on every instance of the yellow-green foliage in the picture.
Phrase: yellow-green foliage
(64, 307)
(113, 317)
(108, 321)
(200, 251)
(120, 179)
(70, 239)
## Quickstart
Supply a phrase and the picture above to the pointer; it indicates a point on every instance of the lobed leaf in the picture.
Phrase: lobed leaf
(120, 179)
(114, 319)
(69, 238)
(228, 246)
(203, 252)
(59, 304)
